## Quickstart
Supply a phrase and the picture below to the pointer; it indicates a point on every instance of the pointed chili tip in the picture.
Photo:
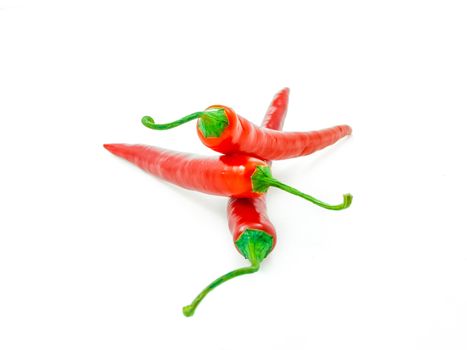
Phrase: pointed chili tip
(109, 146)
(284, 91)
(113, 148)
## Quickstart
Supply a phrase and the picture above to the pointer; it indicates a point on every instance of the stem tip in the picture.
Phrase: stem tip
(347, 200)
(189, 310)
(147, 121)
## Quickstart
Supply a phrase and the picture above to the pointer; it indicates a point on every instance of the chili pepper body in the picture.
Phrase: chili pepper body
(236, 175)
(242, 136)
(247, 214)
(254, 242)
(227, 175)
(253, 234)
(222, 130)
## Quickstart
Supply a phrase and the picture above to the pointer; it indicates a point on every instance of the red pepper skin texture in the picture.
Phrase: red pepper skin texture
(226, 175)
(251, 213)
(242, 136)
(275, 115)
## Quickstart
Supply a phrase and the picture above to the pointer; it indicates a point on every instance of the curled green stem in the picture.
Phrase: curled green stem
(149, 122)
(189, 310)
(212, 122)
(254, 245)
(345, 204)
(262, 179)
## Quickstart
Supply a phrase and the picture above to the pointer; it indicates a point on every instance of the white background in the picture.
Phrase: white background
(96, 254)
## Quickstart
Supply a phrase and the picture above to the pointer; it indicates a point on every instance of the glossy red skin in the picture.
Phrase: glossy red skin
(251, 213)
(277, 111)
(227, 175)
(242, 136)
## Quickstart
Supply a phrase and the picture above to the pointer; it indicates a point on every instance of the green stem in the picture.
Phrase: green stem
(255, 245)
(149, 122)
(262, 179)
(189, 310)
(345, 204)
(212, 122)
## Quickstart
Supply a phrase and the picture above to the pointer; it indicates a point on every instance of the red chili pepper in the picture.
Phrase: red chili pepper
(222, 130)
(243, 178)
(236, 175)
(250, 213)
(253, 234)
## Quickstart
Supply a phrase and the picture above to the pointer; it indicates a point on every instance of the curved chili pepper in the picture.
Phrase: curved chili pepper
(250, 214)
(222, 130)
(237, 175)
(253, 234)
